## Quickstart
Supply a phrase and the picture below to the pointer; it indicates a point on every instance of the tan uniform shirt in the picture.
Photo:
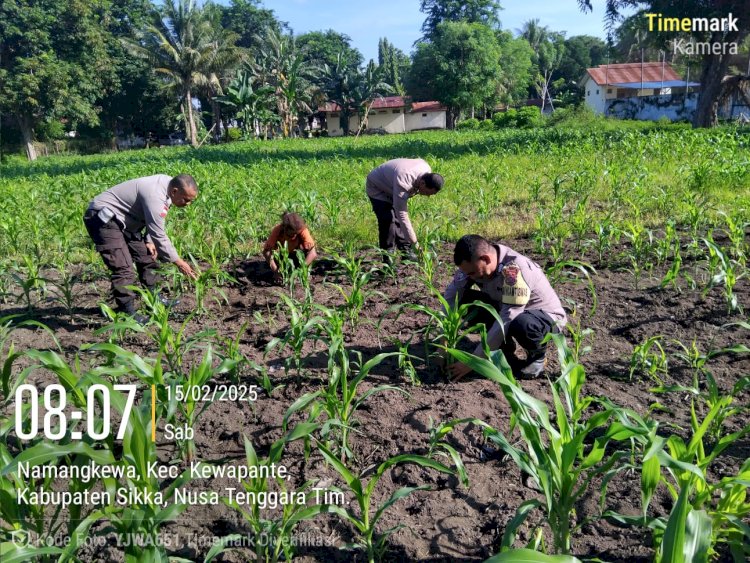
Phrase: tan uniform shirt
(518, 285)
(142, 203)
(393, 182)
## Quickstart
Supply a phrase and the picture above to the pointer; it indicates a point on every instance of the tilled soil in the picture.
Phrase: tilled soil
(448, 522)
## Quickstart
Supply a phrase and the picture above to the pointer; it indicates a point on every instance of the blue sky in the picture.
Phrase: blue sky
(365, 21)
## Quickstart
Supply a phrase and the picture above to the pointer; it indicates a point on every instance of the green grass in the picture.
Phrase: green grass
(496, 184)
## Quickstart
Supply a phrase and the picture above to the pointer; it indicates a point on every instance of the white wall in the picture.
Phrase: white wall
(391, 122)
(651, 108)
(425, 120)
(596, 101)
(334, 125)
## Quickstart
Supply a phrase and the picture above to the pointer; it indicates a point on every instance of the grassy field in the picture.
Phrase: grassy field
(634, 448)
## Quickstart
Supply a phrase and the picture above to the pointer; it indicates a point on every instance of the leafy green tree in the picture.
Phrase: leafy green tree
(249, 21)
(369, 87)
(460, 67)
(286, 69)
(54, 62)
(182, 45)
(394, 64)
(516, 68)
(324, 47)
(549, 48)
(472, 11)
(250, 104)
(581, 52)
(715, 64)
(339, 82)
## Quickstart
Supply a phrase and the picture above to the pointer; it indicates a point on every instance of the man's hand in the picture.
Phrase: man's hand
(151, 248)
(458, 370)
(185, 268)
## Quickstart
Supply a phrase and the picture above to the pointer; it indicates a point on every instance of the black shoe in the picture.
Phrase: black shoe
(133, 314)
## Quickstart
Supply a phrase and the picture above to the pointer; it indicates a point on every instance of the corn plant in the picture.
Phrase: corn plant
(273, 535)
(554, 456)
(63, 291)
(446, 326)
(724, 272)
(192, 405)
(577, 272)
(339, 401)
(706, 513)
(207, 281)
(301, 326)
(735, 230)
(365, 517)
(578, 337)
(356, 297)
(649, 358)
(9, 354)
(405, 364)
(438, 446)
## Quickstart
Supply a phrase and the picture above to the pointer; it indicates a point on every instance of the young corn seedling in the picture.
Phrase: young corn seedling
(405, 364)
(560, 272)
(447, 326)
(210, 281)
(726, 273)
(339, 401)
(356, 297)
(192, 400)
(578, 337)
(301, 327)
(273, 530)
(649, 358)
(706, 513)
(553, 454)
(364, 518)
(440, 447)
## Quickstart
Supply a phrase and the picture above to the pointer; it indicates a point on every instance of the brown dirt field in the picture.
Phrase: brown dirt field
(449, 522)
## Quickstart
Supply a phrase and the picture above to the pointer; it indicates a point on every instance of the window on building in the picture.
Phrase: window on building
(588, 92)
(609, 90)
(334, 115)
(396, 111)
(424, 115)
(597, 92)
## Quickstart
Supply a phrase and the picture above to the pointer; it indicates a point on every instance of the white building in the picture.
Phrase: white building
(646, 91)
(392, 114)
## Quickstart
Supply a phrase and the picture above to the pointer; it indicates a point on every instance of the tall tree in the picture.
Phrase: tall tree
(324, 47)
(249, 21)
(250, 103)
(549, 48)
(461, 66)
(369, 87)
(715, 63)
(339, 82)
(53, 62)
(471, 11)
(288, 71)
(392, 62)
(182, 46)
(516, 68)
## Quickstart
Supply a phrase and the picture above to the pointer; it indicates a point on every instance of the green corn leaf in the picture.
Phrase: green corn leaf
(511, 528)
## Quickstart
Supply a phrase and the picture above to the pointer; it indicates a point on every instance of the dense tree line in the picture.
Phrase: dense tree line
(107, 68)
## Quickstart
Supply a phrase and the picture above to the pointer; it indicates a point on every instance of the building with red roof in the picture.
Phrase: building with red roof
(647, 90)
(390, 114)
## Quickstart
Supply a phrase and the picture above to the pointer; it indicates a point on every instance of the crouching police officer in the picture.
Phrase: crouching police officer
(126, 223)
(520, 292)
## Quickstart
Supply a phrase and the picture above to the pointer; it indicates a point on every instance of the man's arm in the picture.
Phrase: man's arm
(154, 217)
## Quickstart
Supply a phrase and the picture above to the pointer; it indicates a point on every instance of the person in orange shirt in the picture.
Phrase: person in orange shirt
(293, 232)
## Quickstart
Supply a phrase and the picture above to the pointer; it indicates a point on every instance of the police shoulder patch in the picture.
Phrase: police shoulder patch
(515, 289)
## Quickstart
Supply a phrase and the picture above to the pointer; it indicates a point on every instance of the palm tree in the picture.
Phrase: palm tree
(287, 70)
(187, 49)
(340, 81)
(368, 88)
(250, 104)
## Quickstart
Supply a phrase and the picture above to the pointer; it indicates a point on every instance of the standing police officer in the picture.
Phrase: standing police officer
(126, 224)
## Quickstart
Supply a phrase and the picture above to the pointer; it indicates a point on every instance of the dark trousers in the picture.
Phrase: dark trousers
(528, 329)
(120, 250)
(390, 235)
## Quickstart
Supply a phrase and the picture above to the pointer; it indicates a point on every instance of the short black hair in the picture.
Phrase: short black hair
(184, 183)
(433, 181)
(470, 247)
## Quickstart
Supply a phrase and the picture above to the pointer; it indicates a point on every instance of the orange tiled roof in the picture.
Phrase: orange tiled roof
(631, 72)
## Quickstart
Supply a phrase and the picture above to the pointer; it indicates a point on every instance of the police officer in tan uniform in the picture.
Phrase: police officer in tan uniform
(127, 225)
(518, 289)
